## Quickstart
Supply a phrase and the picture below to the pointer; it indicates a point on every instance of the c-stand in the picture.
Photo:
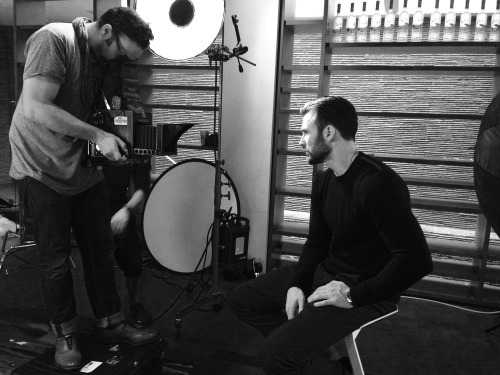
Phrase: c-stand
(217, 53)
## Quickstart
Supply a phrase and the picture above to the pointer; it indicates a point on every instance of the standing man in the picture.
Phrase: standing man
(363, 250)
(65, 66)
(128, 185)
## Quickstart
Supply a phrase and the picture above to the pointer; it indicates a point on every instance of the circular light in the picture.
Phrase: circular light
(182, 29)
(181, 12)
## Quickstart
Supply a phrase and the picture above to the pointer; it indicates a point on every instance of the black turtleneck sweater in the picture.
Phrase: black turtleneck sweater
(362, 231)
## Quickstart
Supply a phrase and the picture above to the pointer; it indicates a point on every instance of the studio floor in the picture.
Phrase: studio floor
(422, 338)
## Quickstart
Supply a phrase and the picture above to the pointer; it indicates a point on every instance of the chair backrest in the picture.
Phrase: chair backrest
(380, 318)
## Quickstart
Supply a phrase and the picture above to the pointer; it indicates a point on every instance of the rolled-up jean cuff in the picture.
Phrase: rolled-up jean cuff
(110, 321)
(66, 328)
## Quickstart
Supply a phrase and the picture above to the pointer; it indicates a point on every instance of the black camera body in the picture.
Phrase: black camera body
(143, 138)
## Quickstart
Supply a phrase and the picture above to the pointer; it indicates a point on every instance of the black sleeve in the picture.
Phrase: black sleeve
(317, 243)
(142, 177)
(386, 200)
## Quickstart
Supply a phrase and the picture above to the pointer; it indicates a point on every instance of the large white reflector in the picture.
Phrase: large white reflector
(179, 212)
(182, 28)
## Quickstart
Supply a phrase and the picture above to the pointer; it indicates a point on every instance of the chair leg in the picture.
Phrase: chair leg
(4, 252)
(12, 250)
(352, 350)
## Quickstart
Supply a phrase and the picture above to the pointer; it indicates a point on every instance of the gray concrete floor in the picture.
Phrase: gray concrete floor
(422, 338)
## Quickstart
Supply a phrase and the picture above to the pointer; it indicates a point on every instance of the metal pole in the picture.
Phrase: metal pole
(218, 190)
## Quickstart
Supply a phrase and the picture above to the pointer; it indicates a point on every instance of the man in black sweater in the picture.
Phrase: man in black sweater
(364, 248)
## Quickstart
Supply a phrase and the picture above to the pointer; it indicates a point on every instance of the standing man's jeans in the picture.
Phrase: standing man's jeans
(295, 346)
(87, 214)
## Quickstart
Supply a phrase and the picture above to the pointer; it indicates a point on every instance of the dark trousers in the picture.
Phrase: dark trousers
(128, 252)
(295, 346)
(87, 214)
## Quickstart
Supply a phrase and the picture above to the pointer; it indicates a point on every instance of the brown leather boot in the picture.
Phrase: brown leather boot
(68, 355)
(127, 333)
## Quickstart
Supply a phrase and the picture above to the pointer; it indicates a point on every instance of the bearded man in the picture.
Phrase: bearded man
(66, 64)
(364, 248)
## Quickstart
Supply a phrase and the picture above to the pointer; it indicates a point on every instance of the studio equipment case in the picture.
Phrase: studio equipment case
(234, 233)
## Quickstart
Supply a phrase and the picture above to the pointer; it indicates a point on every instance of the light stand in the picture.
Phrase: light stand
(216, 296)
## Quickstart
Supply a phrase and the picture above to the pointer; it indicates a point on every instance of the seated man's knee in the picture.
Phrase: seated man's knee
(271, 361)
(267, 357)
(238, 299)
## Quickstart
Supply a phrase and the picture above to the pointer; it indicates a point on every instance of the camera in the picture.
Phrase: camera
(143, 138)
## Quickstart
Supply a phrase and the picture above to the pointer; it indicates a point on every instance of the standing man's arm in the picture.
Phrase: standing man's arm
(38, 97)
(121, 217)
(141, 186)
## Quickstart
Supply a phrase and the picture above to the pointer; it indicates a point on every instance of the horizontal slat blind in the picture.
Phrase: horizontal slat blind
(181, 92)
(420, 106)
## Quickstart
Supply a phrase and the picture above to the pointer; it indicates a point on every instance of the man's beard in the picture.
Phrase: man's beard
(101, 52)
(319, 151)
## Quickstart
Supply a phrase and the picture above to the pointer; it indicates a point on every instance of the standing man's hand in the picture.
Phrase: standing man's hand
(295, 299)
(334, 293)
(119, 220)
(112, 147)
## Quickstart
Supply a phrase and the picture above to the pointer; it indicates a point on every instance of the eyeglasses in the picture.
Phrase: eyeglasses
(121, 56)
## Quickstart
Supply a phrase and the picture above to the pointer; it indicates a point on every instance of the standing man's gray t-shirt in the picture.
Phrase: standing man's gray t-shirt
(54, 159)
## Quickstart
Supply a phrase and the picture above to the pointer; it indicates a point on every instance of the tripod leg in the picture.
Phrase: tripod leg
(192, 307)
(217, 300)
(185, 311)
(178, 327)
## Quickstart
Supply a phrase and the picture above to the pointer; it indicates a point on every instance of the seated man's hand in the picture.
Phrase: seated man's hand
(332, 293)
(295, 299)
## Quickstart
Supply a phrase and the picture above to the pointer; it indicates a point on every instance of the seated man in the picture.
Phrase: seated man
(364, 248)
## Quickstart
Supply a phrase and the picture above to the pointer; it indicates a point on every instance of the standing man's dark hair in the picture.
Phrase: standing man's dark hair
(336, 111)
(127, 21)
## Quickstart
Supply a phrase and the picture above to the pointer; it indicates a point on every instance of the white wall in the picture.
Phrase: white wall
(247, 114)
